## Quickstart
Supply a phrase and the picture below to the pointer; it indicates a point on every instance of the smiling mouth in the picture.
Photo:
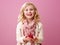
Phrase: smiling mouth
(29, 14)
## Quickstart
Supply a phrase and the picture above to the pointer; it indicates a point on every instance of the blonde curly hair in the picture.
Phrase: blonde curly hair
(21, 16)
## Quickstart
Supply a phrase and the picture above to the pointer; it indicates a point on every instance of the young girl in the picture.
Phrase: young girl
(29, 29)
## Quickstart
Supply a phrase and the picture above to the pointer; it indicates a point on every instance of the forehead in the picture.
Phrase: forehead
(29, 6)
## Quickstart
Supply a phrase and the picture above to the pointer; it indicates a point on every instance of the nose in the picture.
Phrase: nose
(29, 11)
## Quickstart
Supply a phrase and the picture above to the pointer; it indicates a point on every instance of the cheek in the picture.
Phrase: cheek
(33, 12)
(25, 13)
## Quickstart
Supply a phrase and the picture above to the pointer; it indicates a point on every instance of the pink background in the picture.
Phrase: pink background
(49, 11)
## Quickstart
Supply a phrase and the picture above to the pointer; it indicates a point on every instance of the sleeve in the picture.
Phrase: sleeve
(40, 33)
(19, 37)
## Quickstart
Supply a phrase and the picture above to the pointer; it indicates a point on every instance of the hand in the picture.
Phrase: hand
(36, 39)
(30, 39)
(27, 39)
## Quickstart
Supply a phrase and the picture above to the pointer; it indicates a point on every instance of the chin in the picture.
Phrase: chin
(29, 17)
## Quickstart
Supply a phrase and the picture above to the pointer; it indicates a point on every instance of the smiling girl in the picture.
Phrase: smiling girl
(29, 29)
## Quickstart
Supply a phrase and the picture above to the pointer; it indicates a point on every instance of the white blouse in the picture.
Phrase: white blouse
(38, 34)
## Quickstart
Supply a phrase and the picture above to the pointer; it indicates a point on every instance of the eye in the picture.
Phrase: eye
(26, 9)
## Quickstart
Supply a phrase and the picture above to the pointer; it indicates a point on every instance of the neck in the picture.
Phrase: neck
(29, 20)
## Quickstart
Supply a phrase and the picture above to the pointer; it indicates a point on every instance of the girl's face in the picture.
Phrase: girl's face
(29, 12)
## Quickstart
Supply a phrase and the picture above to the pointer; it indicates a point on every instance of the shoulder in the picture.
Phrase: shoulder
(39, 24)
(19, 25)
